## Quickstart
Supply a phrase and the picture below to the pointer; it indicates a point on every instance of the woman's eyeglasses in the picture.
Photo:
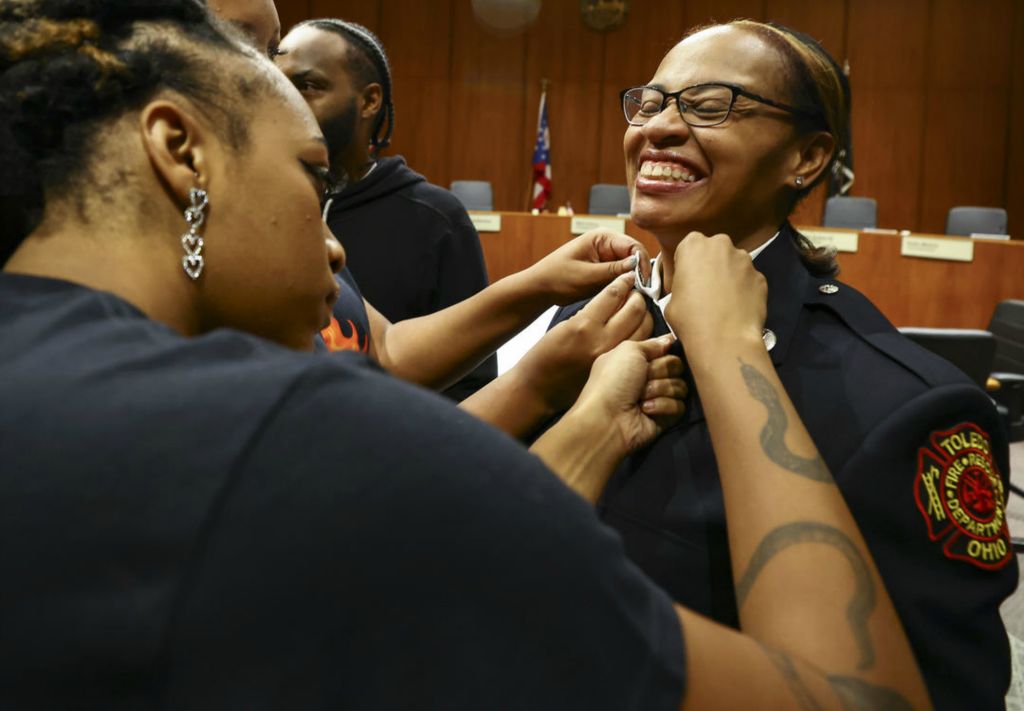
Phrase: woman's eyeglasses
(701, 105)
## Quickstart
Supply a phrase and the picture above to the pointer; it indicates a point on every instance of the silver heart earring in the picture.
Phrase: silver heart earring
(799, 181)
(195, 216)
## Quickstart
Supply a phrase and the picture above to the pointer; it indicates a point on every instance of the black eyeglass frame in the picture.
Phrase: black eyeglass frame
(736, 91)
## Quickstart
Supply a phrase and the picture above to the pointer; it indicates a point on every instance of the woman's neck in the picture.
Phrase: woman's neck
(145, 274)
(749, 242)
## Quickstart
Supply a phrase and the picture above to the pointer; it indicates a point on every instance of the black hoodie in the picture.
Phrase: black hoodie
(412, 249)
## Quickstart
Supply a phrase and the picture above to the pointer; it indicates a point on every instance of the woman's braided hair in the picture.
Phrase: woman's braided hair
(368, 64)
(69, 67)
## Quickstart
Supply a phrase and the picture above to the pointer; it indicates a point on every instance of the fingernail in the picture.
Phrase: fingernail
(648, 406)
(634, 260)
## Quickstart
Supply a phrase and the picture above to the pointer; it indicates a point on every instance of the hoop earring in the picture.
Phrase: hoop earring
(191, 242)
(799, 181)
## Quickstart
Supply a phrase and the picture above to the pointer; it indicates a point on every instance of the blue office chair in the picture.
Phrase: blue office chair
(474, 194)
(966, 221)
(608, 199)
(855, 213)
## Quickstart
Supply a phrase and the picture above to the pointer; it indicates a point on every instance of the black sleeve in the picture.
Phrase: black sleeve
(381, 549)
(460, 266)
(927, 488)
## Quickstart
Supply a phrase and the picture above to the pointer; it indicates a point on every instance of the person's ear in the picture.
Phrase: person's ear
(815, 154)
(178, 147)
(371, 100)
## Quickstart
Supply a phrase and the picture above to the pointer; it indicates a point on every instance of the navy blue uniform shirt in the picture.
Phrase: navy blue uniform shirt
(916, 449)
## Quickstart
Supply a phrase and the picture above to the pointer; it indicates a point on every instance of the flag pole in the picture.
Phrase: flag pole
(544, 83)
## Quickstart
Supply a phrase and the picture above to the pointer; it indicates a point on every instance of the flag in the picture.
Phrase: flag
(542, 158)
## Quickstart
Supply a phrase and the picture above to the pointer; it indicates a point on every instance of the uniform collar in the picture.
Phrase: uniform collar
(654, 290)
(788, 283)
(757, 250)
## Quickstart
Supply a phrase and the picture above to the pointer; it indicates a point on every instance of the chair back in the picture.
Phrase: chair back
(856, 213)
(970, 350)
(474, 194)
(608, 199)
(965, 221)
(1007, 325)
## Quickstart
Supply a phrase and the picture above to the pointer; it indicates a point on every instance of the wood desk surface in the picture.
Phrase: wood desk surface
(910, 291)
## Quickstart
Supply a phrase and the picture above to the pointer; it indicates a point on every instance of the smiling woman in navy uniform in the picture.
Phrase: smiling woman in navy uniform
(737, 124)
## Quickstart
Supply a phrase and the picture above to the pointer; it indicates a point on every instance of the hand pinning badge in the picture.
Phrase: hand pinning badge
(652, 289)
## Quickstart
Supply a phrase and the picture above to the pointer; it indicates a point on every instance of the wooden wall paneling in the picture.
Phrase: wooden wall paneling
(966, 131)
(485, 131)
(611, 166)
(704, 12)
(418, 39)
(292, 12)
(1015, 154)
(887, 47)
(825, 21)
(563, 50)
(364, 12)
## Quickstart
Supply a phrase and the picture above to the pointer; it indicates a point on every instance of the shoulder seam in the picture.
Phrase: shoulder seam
(969, 390)
(207, 529)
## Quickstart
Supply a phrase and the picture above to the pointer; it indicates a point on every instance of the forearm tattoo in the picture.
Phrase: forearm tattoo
(863, 601)
(773, 434)
(854, 694)
(787, 670)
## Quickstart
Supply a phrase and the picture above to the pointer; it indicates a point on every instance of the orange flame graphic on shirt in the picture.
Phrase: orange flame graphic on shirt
(336, 340)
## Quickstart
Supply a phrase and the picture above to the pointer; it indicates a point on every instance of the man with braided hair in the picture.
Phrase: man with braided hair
(411, 246)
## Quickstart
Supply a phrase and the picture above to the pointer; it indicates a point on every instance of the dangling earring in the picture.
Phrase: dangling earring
(799, 181)
(195, 216)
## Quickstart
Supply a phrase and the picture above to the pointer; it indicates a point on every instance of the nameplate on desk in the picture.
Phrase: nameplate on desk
(954, 250)
(580, 225)
(485, 221)
(842, 241)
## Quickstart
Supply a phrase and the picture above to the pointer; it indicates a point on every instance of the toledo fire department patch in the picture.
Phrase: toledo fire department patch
(960, 494)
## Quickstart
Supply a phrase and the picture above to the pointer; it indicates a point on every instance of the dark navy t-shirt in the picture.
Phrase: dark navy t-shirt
(217, 522)
(349, 329)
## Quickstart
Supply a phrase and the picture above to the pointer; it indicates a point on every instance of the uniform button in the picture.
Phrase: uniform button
(768, 336)
(828, 288)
